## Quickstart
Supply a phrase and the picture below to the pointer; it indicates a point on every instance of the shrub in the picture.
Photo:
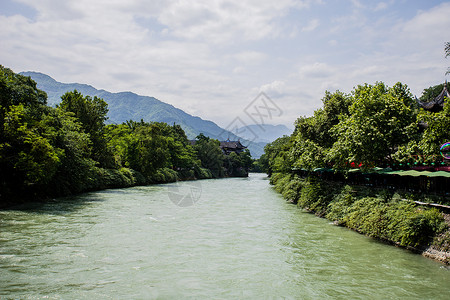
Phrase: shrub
(397, 221)
(293, 189)
(275, 177)
(315, 195)
(339, 207)
(282, 182)
(422, 226)
(163, 175)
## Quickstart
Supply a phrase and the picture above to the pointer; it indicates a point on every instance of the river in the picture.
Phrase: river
(213, 239)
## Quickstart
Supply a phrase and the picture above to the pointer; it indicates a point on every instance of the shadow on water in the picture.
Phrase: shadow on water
(72, 203)
(62, 205)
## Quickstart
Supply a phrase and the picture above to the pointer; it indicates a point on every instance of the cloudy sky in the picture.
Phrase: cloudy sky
(211, 58)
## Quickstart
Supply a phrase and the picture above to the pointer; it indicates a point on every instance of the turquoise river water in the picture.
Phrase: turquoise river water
(213, 239)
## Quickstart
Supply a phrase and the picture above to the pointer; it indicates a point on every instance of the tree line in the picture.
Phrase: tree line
(373, 126)
(53, 151)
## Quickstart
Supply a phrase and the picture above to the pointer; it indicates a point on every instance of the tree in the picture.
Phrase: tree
(278, 156)
(210, 155)
(76, 169)
(91, 113)
(436, 133)
(26, 155)
(16, 89)
(28, 158)
(380, 119)
(312, 135)
(238, 164)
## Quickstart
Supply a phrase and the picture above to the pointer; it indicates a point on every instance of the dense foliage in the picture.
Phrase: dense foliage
(377, 213)
(47, 151)
(373, 126)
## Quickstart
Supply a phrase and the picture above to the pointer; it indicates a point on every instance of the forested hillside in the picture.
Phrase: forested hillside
(52, 151)
(126, 106)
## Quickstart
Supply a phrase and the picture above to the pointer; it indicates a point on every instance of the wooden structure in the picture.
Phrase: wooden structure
(437, 104)
(232, 146)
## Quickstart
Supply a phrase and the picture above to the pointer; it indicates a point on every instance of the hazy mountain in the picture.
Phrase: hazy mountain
(263, 133)
(125, 106)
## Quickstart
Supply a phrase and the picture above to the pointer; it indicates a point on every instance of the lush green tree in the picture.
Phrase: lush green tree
(261, 164)
(210, 155)
(147, 147)
(380, 120)
(91, 113)
(26, 155)
(312, 135)
(278, 156)
(238, 164)
(436, 133)
(140, 146)
(17, 89)
(76, 169)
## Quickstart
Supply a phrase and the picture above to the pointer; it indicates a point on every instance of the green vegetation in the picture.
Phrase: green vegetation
(126, 106)
(54, 151)
(373, 126)
(376, 213)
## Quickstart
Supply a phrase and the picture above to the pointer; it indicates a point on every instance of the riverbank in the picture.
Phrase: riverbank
(440, 249)
(102, 179)
(98, 179)
(379, 213)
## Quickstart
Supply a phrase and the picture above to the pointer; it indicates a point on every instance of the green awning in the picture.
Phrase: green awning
(439, 174)
(412, 173)
(388, 171)
(415, 173)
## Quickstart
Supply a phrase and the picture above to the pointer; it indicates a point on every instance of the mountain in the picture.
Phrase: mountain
(126, 106)
(263, 133)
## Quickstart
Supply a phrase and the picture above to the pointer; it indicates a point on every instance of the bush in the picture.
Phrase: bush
(163, 175)
(339, 207)
(422, 226)
(202, 173)
(186, 174)
(376, 213)
(275, 177)
(293, 189)
(316, 195)
(397, 221)
(282, 182)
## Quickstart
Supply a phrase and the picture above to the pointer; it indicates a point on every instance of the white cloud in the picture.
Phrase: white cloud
(317, 70)
(250, 57)
(313, 24)
(274, 89)
(381, 6)
(209, 57)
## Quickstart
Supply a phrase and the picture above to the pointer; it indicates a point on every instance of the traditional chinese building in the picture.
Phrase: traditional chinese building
(437, 104)
(232, 146)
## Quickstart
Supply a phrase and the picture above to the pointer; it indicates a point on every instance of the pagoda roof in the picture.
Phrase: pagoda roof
(437, 104)
(232, 145)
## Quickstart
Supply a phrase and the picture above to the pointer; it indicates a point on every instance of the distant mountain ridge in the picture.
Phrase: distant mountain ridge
(126, 106)
(263, 133)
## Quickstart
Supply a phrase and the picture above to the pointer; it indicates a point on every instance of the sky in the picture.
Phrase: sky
(213, 58)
